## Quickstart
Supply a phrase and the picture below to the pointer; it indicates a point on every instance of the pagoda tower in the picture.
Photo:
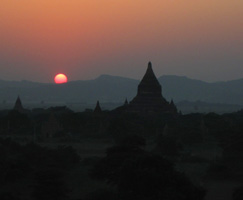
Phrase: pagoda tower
(18, 105)
(97, 108)
(149, 98)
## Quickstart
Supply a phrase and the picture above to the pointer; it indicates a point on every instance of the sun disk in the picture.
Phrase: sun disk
(60, 78)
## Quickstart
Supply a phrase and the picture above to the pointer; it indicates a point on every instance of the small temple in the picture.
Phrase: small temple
(18, 105)
(97, 109)
(149, 98)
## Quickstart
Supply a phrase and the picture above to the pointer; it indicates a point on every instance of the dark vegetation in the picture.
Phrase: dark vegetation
(138, 174)
(30, 171)
(149, 157)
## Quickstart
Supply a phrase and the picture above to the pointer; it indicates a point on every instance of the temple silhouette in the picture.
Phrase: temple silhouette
(149, 98)
(97, 109)
(18, 106)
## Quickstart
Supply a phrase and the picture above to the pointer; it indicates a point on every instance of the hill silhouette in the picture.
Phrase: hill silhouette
(182, 88)
(107, 88)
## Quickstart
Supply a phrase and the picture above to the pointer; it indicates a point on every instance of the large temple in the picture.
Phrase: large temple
(149, 98)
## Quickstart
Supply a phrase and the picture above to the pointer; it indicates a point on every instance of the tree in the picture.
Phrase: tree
(238, 193)
(50, 185)
(142, 175)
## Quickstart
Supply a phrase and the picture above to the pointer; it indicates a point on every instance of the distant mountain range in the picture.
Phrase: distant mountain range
(114, 89)
(182, 88)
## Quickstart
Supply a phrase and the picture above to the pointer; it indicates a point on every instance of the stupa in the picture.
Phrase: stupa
(18, 105)
(97, 108)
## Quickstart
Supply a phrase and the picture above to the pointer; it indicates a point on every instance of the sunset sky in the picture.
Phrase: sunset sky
(201, 39)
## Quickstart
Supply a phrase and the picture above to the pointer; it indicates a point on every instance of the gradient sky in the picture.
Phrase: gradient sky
(201, 39)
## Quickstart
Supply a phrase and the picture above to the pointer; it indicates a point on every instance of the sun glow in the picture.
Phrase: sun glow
(60, 78)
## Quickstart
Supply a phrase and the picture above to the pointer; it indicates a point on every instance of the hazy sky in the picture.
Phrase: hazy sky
(201, 39)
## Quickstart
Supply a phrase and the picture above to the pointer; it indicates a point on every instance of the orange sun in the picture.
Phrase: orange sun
(60, 78)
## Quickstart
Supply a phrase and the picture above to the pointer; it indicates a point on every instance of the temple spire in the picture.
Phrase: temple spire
(18, 105)
(126, 102)
(149, 65)
(149, 78)
(97, 108)
(149, 83)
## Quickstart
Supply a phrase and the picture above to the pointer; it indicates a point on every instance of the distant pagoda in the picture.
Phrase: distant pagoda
(18, 105)
(97, 109)
(149, 97)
